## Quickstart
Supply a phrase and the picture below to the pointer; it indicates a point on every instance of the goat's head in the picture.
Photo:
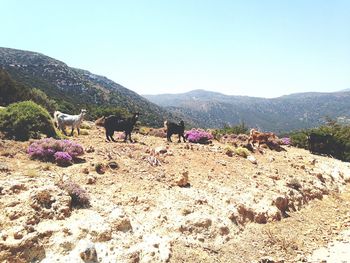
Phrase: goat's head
(136, 115)
(181, 123)
(83, 111)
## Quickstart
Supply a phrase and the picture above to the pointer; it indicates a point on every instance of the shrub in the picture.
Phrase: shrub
(299, 139)
(337, 144)
(80, 197)
(285, 141)
(60, 151)
(25, 120)
(228, 151)
(236, 129)
(198, 136)
(242, 152)
(63, 158)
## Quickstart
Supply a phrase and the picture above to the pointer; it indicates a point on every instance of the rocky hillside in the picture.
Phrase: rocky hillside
(75, 87)
(153, 201)
(282, 114)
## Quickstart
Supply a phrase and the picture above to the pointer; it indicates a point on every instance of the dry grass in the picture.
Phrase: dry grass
(32, 173)
(282, 241)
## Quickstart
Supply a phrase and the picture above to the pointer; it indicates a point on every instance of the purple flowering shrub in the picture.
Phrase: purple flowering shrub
(285, 141)
(198, 136)
(60, 151)
(63, 158)
(80, 198)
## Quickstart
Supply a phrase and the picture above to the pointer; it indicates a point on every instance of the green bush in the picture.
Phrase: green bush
(237, 129)
(243, 152)
(299, 139)
(338, 146)
(12, 91)
(25, 120)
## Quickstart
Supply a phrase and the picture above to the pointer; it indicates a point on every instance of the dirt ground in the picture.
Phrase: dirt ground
(172, 202)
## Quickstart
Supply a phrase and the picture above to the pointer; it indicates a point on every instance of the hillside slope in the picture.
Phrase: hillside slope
(230, 210)
(282, 114)
(75, 88)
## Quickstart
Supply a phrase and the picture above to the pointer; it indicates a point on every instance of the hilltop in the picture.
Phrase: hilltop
(144, 210)
(282, 114)
(75, 88)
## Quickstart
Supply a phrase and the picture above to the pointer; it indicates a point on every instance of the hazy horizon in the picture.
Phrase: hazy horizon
(251, 48)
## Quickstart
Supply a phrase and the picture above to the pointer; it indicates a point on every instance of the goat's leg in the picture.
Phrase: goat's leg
(78, 130)
(183, 137)
(111, 135)
(63, 129)
(179, 138)
(125, 136)
(107, 136)
(71, 134)
(168, 136)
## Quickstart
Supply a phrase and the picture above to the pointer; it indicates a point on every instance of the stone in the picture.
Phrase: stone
(160, 150)
(90, 149)
(91, 180)
(119, 221)
(281, 203)
(87, 251)
(113, 165)
(252, 159)
(182, 181)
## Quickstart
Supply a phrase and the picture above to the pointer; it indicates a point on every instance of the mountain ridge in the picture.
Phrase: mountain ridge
(74, 88)
(280, 114)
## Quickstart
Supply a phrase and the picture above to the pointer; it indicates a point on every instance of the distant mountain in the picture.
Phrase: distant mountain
(286, 113)
(75, 88)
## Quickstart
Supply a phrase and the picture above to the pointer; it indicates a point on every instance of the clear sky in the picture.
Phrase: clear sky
(258, 48)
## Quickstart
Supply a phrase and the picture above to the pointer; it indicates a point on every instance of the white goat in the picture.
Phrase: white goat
(64, 120)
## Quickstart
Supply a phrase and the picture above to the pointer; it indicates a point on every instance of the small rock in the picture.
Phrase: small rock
(281, 203)
(182, 181)
(252, 159)
(85, 170)
(160, 150)
(91, 180)
(100, 168)
(90, 149)
(113, 165)
(87, 251)
(119, 220)
(18, 235)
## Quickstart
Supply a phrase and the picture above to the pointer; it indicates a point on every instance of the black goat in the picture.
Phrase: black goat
(114, 123)
(173, 128)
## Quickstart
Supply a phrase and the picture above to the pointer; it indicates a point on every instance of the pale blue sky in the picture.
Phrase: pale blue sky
(256, 48)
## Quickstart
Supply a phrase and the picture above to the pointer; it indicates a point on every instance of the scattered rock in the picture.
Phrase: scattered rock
(160, 150)
(252, 159)
(152, 160)
(50, 202)
(113, 165)
(182, 181)
(119, 221)
(100, 168)
(87, 251)
(91, 179)
(4, 168)
(90, 149)
(281, 203)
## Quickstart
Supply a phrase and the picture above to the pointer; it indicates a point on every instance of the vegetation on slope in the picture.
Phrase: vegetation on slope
(73, 89)
(25, 120)
(337, 144)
